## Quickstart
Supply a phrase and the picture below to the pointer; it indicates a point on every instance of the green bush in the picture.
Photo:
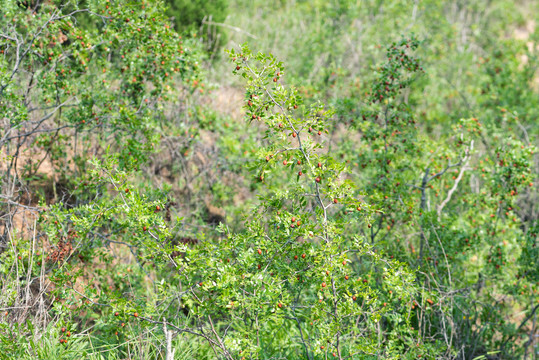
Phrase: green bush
(189, 16)
(150, 212)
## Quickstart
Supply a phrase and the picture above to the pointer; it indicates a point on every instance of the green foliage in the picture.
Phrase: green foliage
(374, 198)
(190, 16)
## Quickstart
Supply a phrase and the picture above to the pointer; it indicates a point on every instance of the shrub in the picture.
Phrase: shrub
(189, 16)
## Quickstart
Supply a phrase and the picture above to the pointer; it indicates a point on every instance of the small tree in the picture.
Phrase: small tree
(294, 266)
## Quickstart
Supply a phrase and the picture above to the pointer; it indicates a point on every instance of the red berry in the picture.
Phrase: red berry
(259, 252)
(238, 67)
(303, 256)
(317, 179)
(323, 284)
(116, 313)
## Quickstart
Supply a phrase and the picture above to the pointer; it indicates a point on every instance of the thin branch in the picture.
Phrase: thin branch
(457, 180)
(237, 29)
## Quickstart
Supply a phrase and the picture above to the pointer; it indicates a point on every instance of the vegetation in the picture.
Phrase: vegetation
(200, 15)
(356, 180)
